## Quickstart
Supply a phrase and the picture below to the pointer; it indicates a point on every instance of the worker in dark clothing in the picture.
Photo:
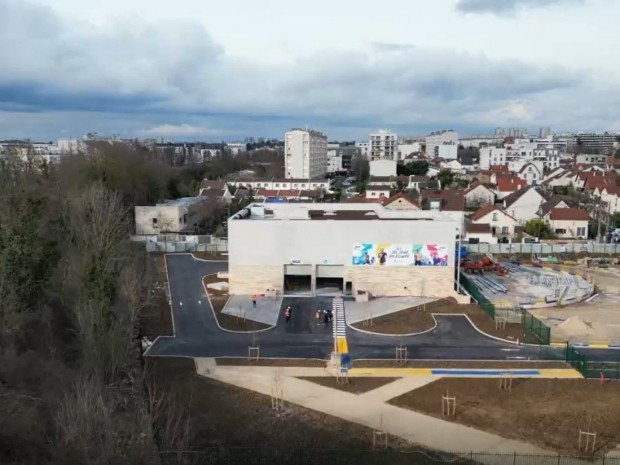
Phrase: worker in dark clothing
(325, 317)
(287, 314)
(330, 315)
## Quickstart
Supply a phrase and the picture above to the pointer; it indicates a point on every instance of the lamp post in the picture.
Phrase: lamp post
(458, 262)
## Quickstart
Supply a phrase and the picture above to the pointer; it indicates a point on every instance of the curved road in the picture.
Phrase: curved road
(197, 333)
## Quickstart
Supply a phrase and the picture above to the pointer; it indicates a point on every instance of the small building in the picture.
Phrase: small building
(479, 233)
(478, 195)
(506, 184)
(524, 203)
(500, 222)
(378, 191)
(568, 223)
(383, 167)
(180, 216)
(401, 201)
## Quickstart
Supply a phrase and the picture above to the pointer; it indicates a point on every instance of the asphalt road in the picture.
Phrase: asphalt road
(198, 335)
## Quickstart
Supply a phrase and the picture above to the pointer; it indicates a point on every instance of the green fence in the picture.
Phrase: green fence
(484, 303)
(534, 330)
(610, 369)
(388, 456)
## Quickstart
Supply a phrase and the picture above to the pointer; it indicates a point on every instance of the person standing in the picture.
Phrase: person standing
(325, 317)
(318, 317)
(287, 314)
(254, 300)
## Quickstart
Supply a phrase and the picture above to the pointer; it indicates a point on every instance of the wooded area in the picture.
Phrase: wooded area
(74, 293)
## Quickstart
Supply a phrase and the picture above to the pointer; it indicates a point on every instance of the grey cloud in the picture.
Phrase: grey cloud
(507, 7)
(174, 75)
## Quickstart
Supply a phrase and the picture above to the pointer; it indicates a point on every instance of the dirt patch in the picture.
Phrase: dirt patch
(272, 362)
(353, 385)
(411, 320)
(512, 331)
(464, 364)
(157, 321)
(218, 302)
(228, 416)
(545, 412)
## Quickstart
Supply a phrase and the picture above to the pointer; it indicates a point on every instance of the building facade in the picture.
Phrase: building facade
(305, 154)
(383, 145)
(354, 247)
(436, 139)
(180, 216)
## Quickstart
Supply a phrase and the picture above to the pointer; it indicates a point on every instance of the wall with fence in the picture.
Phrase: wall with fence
(282, 456)
(609, 369)
(546, 248)
(177, 243)
(484, 303)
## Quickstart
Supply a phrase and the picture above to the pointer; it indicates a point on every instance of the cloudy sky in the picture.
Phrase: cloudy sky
(223, 70)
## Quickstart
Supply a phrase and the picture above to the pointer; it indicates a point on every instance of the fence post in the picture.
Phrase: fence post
(300, 456)
(514, 460)
(471, 457)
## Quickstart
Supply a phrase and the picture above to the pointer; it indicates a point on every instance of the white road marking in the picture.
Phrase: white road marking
(511, 350)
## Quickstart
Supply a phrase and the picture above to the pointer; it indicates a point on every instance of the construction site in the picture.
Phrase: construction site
(511, 284)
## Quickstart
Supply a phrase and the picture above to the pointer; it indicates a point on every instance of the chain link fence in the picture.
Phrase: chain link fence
(484, 303)
(534, 330)
(607, 369)
(540, 248)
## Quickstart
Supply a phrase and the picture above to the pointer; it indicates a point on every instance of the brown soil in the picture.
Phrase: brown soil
(545, 412)
(218, 302)
(464, 364)
(411, 320)
(272, 362)
(158, 320)
(353, 385)
(228, 416)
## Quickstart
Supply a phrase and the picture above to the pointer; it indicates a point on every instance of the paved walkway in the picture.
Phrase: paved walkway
(367, 409)
(266, 310)
(360, 311)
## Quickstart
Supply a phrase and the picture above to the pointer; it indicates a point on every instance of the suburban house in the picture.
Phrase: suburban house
(478, 195)
(180, 216)
(568, 223)
(500, 222)
(401, 201)
(524, 203)
(452, 165)
(217, 191)
(288, 195)
(531, 173)
(443, 200)
(559, 177)
(613, 164)
(506, 184)
(554, 202)
(479, 232)
(377, 191)
(417, 182)
(611, 196)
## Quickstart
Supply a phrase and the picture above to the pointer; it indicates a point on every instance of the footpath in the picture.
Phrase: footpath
(368, 409)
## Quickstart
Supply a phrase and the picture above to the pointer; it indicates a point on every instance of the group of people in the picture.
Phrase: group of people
(325, 315)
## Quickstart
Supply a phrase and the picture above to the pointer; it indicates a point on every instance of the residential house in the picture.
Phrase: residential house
(568, 223)
(524, 203)
(501, 223)
(531, 172)
(613, 164)
(478, 195)
(401, 201)
(378, 191)
(443, 200)
(611, 196)
(417, 182)
(554, 202)
(454, 166)
(506, 184)
(216, 190)
(479, 233)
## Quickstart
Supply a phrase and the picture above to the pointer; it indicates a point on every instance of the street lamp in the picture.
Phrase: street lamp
(458, 261)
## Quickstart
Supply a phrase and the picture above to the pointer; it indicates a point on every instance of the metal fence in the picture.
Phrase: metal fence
(388, 456)
(609, 369)
(540, 248)
(180, 247)
(484, 303)
(534, 330)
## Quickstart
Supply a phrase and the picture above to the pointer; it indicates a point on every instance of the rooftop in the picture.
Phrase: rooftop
(182, 202)
(568, 214)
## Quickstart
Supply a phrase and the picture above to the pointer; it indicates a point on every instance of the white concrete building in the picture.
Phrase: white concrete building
(308, 248)
(175, 216)
(305, 154)
(490, 156)
(383, 145)
(364, 149)
(500, 222)
(407, 149)
(447, 151)
(383, 167)
(523, 204)
(478, 195)
(436, 139)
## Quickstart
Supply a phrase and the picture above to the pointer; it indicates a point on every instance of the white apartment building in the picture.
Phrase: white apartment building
(334, 164)
(383, 144)
(436, 139)
(305, 154)
(519, 153)
(364, 149)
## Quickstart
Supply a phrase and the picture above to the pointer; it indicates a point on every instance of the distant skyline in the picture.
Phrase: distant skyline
(196, 70)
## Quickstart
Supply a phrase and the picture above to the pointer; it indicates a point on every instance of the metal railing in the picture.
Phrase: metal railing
(473, 290)
(606, 369)
(534, 330)
(387, 456)
(544, 248)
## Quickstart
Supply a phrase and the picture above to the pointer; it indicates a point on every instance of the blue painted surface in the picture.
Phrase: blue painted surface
(484, 372)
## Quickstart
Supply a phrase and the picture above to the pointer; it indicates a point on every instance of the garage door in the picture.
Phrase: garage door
(298, 270)
(330, 271)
